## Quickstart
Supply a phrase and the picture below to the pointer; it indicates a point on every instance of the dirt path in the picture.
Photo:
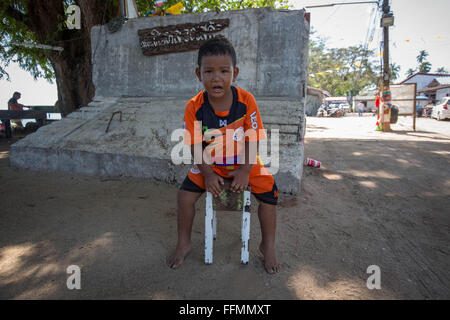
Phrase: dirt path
(379, 199)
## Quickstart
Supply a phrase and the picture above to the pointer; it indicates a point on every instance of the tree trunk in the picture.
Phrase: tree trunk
(73, 76)
(73, 66)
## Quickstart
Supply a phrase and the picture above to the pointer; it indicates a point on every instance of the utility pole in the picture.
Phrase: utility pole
(387, 20)
(385, 46)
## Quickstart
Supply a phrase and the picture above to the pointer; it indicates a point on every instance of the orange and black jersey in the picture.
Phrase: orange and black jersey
(222, 133)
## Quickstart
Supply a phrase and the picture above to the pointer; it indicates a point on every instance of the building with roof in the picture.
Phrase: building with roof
(368, 101)
(314, 99)
(432, 85)
(437, 89)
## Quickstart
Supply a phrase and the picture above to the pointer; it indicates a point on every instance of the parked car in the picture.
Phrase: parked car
(441, 111)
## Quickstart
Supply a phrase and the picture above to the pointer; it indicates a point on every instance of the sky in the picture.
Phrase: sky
(419, 25)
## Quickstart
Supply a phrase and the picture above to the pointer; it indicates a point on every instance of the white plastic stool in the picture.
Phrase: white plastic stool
(212, 205)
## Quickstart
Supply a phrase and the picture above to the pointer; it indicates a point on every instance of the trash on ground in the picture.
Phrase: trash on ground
(312, 163)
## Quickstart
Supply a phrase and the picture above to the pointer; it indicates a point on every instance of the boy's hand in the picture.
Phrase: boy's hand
(212, 183)
(240, 179)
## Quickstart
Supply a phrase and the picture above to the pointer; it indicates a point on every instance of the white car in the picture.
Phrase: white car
(441, 111)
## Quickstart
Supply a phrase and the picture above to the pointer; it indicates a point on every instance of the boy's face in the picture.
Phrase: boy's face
(217, 74)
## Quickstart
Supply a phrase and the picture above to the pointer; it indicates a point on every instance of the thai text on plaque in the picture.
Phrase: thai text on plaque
(179, 37)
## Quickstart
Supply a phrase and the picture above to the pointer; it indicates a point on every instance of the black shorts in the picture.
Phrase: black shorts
(270, 197)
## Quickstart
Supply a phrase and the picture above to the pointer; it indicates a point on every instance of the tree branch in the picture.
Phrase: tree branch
(17, 15)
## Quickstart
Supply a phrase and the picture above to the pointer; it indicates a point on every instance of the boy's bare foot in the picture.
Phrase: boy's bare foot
(270, 260)
(177, 258)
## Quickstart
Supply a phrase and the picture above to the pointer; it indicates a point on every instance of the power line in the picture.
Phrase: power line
(372, 18)
(330, 16)
(370, 28)
(340, 3)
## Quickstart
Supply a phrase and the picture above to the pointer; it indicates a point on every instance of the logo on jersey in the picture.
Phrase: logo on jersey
(254, 120)
(195, 170)
(238, 134)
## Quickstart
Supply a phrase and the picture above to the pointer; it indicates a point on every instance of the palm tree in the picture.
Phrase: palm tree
(441, 70)
(425, 67)
(422, 56)
(394, 71)
(410, 72)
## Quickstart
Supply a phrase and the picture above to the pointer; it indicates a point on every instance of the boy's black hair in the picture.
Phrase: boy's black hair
(216, 47)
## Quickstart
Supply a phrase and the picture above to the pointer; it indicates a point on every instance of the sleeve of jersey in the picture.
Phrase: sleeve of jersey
(253, 125)
(193, 130)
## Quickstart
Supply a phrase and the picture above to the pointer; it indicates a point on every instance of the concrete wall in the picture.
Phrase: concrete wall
(151, 92)
(312, 104)
(368, 101)
(441, 93)
(271, 47)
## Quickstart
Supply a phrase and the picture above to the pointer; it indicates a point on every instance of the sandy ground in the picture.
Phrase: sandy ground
(378, 199)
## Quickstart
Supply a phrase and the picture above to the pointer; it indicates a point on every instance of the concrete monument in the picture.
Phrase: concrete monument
(145, 72)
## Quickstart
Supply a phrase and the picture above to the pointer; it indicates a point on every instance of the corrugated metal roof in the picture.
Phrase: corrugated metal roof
(443, 80)
(425, 74)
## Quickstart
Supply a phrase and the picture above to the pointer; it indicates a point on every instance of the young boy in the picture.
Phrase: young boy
(211, 115)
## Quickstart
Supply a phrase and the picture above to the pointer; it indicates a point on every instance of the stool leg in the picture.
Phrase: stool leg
(209, 217)
(245, 232)
(214, 225)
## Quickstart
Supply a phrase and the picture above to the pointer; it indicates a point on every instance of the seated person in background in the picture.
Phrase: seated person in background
(14, 105)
